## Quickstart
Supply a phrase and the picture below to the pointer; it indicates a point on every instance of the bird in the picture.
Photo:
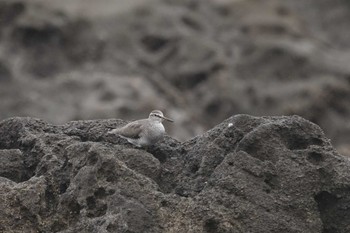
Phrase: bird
(144, 132)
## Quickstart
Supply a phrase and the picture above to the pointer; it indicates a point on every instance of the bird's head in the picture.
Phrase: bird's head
(158, 116)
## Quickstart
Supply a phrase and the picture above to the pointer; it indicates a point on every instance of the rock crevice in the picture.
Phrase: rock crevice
(247, 174)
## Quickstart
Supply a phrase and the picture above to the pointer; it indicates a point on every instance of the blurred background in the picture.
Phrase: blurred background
(198, 61)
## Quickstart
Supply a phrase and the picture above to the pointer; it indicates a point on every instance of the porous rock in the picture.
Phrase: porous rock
(248, 174)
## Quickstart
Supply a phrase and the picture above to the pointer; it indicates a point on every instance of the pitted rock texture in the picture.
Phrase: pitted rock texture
(248, 174)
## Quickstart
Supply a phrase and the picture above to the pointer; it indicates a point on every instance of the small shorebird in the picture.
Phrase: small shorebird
(143, 132)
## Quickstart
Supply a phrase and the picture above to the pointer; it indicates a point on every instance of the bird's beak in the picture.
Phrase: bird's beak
(165, 118)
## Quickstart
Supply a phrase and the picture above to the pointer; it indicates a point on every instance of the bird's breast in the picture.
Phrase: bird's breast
(158, 129)
(156, 132)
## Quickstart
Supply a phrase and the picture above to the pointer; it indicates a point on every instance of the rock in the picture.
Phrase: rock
(247, 174)
(11, 165)
(5, 73)
(44, 41)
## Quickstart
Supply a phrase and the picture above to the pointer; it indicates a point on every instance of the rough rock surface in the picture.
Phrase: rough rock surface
(248, 174)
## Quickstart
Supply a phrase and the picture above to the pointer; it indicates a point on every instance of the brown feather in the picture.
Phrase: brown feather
(131, 130)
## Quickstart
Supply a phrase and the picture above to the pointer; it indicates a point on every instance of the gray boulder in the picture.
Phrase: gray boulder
(248, 174)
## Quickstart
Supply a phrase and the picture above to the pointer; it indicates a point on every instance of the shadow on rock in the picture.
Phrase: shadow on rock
(256, 174)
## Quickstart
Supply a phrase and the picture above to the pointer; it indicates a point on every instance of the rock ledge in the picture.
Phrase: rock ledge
(248, 174)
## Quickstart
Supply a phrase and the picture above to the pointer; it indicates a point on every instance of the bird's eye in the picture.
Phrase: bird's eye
(156, 115)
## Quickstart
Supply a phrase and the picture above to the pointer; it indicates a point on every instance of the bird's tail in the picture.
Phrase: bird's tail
(113, 131)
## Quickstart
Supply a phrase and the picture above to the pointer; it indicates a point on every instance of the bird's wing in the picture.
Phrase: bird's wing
(131, 130)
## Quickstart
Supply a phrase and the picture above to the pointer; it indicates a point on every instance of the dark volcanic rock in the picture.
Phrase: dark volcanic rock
(248, 174)
(44, 40)
(5, 73)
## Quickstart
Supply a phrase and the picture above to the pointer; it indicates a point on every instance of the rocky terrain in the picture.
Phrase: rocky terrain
(82, 65)
(199, 61)
(247, 174)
